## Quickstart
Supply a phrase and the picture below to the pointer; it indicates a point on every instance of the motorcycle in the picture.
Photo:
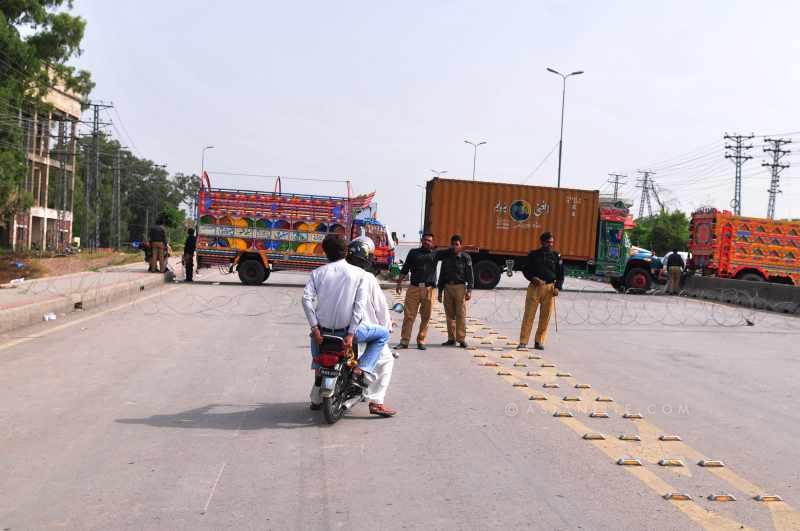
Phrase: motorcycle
(339, 389)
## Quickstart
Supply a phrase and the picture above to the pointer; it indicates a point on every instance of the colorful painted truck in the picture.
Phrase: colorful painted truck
(500, 223)
(258, 232)
(756, 249)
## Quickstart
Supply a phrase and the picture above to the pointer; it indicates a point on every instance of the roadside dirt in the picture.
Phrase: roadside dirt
(63, 265)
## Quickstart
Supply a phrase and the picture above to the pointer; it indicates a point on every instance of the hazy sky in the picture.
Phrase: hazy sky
(380, 92)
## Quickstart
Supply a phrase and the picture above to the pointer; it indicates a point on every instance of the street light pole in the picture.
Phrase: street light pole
(563, 97)
(474, 154)
(422, 208)
(438, 173)
(202, 172)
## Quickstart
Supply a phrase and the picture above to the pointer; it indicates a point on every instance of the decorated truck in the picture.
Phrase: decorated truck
(756, 249)
(500, 223)
(256, 232)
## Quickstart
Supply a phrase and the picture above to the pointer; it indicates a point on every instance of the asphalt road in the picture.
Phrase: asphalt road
(187, 409)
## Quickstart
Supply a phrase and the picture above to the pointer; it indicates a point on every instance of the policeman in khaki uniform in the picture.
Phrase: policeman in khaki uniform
(455, 289)
(545, 272)
(421, 263)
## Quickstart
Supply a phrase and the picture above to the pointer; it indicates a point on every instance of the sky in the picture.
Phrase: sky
(381, 93)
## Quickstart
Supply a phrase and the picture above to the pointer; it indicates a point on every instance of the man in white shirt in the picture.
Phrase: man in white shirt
(334, 301)
(376, 312)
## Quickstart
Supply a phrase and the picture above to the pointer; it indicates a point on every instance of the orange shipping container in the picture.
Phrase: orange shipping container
(507, 219)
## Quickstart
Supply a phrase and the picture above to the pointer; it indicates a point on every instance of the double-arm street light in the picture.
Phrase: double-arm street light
(474, 154)
(563, 94)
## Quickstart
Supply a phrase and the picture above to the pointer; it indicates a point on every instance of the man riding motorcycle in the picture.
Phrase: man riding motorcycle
(335, 301)
(360, 253)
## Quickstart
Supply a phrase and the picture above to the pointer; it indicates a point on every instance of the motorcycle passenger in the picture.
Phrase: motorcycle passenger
(334, 301)
(360, 253)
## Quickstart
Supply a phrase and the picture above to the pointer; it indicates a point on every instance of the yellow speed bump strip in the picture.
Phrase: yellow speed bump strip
(677, 496)
(722, 497)
(594, 437)
(671, 462)
(711, 463)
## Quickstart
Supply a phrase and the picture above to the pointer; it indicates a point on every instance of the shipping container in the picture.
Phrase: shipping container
(756, 249)
(501, 223)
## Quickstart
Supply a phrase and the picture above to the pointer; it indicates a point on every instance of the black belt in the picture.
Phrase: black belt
(333, 330)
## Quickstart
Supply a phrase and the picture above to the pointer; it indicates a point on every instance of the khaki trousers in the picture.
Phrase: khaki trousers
(455, 310)
(418, 300)
(537, 297)
(157, 255)
(674, 279)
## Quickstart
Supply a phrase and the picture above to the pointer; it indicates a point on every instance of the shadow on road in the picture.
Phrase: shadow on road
(239, 417)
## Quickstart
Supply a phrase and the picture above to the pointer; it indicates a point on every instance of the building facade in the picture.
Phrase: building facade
(50, 139)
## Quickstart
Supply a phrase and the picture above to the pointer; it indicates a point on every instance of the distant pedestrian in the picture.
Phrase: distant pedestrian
(675, 266)
(158, 247)
(545, 272)
(188, 254)
(455, 289)
(421, 263)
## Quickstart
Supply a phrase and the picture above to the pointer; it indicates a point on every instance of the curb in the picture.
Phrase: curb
(29, 314)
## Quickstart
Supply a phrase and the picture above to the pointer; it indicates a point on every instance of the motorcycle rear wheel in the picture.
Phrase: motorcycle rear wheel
(333, 407)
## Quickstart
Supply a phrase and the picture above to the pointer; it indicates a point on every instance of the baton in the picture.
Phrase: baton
(555, 312)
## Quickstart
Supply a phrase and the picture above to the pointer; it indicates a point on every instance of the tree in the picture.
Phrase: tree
(37, 39)
(662, 233)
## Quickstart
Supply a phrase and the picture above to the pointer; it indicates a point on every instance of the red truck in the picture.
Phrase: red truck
(756, 249)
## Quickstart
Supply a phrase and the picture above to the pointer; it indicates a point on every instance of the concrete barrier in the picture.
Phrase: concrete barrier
(25, 315)
(758, 295)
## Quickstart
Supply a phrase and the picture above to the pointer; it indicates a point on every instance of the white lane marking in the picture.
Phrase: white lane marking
(214, 488)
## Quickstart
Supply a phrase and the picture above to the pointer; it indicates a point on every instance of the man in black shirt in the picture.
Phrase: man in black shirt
(675, 267)
(188, 254)
(545, 272)
(455, 289)
(421, 262)
(158, 246)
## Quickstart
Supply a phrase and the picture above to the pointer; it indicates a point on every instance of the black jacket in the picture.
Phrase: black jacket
(190, 245)
(422, 265)
(546, 266)
(455, 268)
(675, 260)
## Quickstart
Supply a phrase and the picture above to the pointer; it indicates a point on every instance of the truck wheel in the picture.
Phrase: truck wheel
(252, 272)
(266, 275)
(638, 279)
(751, 277)
(487, 274)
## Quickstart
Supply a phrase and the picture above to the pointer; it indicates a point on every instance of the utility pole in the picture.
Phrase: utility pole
(116, 200)
(777, 167)
(616, 181)
(96, 107)
(739, 158)
(646, 184)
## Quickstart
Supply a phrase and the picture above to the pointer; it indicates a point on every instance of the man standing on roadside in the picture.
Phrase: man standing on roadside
(158, 246)
(188, 254)
(675, 267)
(421, 263)
(545, 272)
(455, 289)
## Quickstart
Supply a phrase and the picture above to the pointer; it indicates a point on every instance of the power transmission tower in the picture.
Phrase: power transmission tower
(646, 184)
(777, 167)
(96, 107)
(616, 180)
(739, 157)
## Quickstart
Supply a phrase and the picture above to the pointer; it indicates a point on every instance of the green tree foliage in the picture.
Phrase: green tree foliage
(662, 233)
(37, 40)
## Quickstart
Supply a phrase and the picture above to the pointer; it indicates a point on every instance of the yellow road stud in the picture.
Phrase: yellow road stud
(628, 461)
(711, 463)
(671, 462)
(722, 497)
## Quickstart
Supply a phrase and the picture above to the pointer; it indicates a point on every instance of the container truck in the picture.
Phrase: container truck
(500, 223)
(259, 232)
(756, 249)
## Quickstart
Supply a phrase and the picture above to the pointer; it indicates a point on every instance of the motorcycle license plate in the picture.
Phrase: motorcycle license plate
(328, 373)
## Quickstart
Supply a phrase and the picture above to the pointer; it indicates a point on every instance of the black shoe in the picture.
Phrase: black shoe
(315, 407)
(400, 346)
(538, 346)
(449, 343)
(522, 347)
(422, 346)
(462, 344)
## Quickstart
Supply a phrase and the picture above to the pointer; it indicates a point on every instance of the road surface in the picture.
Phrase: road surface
(187, 409)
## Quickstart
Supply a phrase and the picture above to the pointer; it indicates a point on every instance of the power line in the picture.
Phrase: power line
(616, 180)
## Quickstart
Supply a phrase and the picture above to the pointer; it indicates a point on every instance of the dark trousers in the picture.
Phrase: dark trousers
(188, 266)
